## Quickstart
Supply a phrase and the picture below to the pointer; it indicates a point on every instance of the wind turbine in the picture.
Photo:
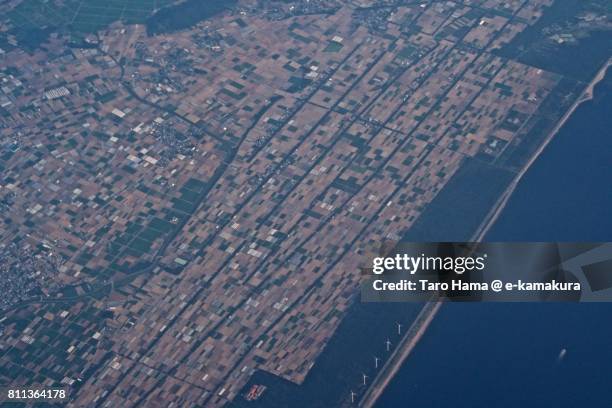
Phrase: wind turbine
(376, 359)
(365, 377)
(399, 328)
(352, 397)
(388, 343)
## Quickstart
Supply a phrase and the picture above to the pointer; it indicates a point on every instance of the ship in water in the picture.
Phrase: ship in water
(255, 392)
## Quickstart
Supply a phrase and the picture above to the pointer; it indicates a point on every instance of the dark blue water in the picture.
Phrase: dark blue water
(506, 355)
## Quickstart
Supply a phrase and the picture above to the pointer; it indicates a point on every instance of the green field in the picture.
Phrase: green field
(333, 46)
(81, 16)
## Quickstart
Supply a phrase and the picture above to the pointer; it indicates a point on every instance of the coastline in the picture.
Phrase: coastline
(430, 309)
(499, 206)
(400, 353)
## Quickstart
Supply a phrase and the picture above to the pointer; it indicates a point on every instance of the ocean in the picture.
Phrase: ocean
(508, 354)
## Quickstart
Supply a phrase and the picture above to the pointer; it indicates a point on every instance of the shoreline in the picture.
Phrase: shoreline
(586, 95)
(400, 353)
(430, 309)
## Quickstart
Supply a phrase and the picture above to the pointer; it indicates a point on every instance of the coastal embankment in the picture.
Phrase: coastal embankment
(400, 354)
(499, 206)
(429, 311)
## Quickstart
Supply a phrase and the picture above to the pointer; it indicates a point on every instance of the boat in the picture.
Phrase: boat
(255, 392)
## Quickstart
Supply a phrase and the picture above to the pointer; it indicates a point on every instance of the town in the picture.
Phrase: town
(182, 209)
